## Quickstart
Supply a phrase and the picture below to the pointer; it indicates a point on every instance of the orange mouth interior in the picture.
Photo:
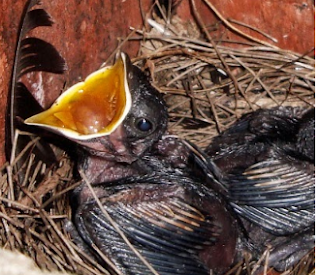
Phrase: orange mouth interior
(90, 107)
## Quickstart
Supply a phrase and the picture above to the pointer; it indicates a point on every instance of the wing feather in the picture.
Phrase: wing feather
(168, 231)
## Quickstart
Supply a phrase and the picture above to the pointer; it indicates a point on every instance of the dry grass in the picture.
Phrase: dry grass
(184, 64)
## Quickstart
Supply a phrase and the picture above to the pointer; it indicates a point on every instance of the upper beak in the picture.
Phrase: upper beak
(92, 108)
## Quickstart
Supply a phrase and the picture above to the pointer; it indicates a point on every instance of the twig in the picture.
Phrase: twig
(226, 66)
(253, 28)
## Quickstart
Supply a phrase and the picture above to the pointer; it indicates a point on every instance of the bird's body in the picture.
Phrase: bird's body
(171, 218)
(177, 224)
(267, 165)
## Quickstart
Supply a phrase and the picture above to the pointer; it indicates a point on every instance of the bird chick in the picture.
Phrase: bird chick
(266, 164)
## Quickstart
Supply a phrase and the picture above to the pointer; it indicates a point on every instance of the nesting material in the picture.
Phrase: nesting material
(207, 86)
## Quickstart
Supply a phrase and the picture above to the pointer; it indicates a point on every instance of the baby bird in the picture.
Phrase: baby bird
(143, 182)
(266, 164)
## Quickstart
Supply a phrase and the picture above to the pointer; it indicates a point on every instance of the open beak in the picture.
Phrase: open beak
(92, 108)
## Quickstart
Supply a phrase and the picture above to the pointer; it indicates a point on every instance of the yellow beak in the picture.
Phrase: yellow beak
(92, 108)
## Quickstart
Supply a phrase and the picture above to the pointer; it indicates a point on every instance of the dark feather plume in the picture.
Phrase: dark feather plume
(32, 54)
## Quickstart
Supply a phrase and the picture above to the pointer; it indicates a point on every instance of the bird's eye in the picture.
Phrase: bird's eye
(144, 125)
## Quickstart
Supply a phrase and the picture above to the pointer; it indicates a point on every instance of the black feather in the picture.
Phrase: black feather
(35, 18)
(32, 54)
(39, 55)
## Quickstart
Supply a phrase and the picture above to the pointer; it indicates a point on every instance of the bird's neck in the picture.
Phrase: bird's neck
(98, 169)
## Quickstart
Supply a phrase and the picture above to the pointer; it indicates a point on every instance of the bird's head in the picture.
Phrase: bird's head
(114, 113)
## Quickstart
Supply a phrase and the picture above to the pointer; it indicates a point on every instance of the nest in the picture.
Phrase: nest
(207, 86)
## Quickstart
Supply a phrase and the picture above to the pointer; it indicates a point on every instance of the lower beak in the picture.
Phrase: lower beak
(92, 108)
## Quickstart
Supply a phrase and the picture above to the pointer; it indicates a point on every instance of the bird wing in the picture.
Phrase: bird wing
(278, 194)
(168, 231)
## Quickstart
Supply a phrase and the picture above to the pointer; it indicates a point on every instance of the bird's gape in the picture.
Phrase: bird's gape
(90, 108)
